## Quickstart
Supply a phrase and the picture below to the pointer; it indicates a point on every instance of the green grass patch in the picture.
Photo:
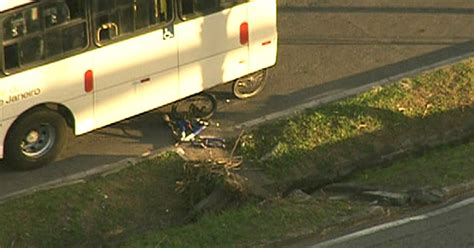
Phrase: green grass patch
(253, 224)
(364, 125)
(96, 212)
(438, 168)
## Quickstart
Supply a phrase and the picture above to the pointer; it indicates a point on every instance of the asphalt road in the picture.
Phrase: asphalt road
(451, 226)
(326, 47)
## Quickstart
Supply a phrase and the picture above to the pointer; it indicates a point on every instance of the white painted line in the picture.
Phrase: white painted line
(368, 231)
(393, 224)
(450, 208)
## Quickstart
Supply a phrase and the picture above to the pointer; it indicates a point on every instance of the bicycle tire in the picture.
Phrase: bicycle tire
(250, 85)
(186, 109)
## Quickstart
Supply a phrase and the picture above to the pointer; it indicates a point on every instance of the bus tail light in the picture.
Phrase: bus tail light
(244, 33)
(89, 81)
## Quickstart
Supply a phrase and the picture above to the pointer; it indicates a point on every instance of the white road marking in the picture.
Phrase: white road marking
(393, 224)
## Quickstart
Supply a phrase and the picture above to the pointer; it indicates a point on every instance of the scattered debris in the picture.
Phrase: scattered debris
(426, 196)
(349, 188)
(339, 198)
(376, 210)
(146, 153)
(392, 198)
(299, 195)
(217, 200)
(345, 191)
(210, 181)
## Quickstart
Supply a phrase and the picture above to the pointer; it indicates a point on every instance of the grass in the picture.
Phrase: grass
(360, 126)
(141, 203)
(97, 212)
(438, 168)
(255, 223)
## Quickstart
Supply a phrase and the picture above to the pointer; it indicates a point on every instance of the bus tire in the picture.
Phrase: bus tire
(35, 139)
(250, 85)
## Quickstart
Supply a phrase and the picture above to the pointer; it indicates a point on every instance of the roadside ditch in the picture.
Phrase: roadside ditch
(328, 144)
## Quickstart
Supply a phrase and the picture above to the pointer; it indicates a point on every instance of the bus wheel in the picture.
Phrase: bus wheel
(35, 140)
(250, 85)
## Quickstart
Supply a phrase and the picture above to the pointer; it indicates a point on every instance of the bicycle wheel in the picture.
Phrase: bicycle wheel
(201, 106)
(249, 85)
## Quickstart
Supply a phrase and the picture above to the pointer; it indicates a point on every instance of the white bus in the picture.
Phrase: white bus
(84, 64)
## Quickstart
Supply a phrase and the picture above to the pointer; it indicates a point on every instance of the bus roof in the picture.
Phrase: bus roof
(10, 4)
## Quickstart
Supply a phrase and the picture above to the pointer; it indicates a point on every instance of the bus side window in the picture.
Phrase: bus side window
(14, 27)
(42, 33)
(62, 34)
(74, 37)
(12, 59)
(54, 43)
(76, 8)
(55, 14)
(230, 3)
(112, 18)
(143, 16)
(162, 11)
(22, 48)
(32, 20)
(31, 50)
(195, 8)
(151, 12)
(187, 8)
(206, 6)
(124, 17)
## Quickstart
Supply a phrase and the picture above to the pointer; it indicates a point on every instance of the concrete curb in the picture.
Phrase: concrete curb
(111, 168)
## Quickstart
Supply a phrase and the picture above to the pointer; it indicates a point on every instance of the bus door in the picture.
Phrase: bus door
(137, 62)
(213, 43)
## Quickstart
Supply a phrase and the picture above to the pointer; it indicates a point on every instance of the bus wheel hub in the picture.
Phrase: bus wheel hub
(32, 137)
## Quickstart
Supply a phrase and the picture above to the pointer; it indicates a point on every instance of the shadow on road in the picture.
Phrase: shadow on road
(280, 101)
